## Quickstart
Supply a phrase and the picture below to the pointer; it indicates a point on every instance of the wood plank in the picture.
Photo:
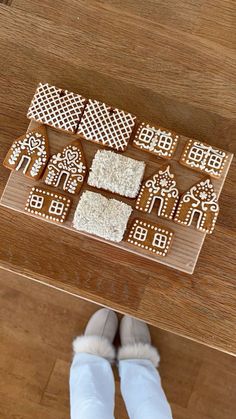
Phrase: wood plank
(212, 20)
(214, 384)
(37, 327)
(6, 2)
(176, 61)
(56, 392)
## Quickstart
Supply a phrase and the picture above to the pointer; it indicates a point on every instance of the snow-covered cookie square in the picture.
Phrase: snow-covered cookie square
(106, 218)
(108, 126)
(116, 173)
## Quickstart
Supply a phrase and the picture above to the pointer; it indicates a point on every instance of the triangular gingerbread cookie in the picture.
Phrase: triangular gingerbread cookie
(159, 187)
(199, 200)
(67, 168)
(29, 152)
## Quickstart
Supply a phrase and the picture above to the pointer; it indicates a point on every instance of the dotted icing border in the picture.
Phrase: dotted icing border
(185, 155)
(53, 195)
(150, 226)
(139, 144)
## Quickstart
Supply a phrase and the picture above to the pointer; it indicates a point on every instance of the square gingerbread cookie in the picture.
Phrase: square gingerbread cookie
(150, 237)
(116, 173)
(56, 107)
(108, 126)
(156, 140)
(47, 204)
(204, 158)
(106, 218)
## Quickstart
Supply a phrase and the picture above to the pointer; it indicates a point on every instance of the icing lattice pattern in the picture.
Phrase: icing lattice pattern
(150, 237)
(109, 126)
(203, 157)
(156, 140)
(49, 205)
(56, 107)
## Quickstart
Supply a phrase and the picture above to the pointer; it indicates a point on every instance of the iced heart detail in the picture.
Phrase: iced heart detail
(72, 156)
(33, 143)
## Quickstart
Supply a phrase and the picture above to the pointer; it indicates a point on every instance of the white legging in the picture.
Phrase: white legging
(92, 389)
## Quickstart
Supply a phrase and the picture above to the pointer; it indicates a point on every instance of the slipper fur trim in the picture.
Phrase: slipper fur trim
(94, 345)
(139, 351)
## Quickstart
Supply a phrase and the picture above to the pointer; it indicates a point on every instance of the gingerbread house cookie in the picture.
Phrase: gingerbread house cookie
(106, 218)
(160, 187)
(156, 140)
(108, 126)
(200, 201)
(150, 237)
(47, 204)
(116, 173)
(56, 107)
(67, 168)
(204, 158)
(29, 152)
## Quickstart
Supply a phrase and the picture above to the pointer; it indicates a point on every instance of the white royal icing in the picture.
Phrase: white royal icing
(204, 157)
(150, 237)
(67, 166)
(156, 140)
(161, 186)
(200, 199)
(49, 205)
(55, 107)
(109, 126)
(33, 144)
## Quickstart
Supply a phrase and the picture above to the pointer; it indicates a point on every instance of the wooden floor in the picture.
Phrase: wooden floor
(37, 326)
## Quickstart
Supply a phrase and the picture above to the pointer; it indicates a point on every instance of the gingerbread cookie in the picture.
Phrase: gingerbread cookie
(160, 187)
(204, 158)
(150, 236)
(67, 168)
(108, 126)
(49, 205)
(116, 173)
(56, 107)
(199, 200)
(106, 218)
(30, 152)
(156, 140)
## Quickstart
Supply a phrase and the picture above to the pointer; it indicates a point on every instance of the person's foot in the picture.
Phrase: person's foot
(136, 341)
(103, 323)
(133, 331)
(98, 335)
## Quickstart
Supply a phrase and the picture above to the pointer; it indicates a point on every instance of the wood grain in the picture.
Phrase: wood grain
(171, 61)
(37, 327)
(187, 242)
